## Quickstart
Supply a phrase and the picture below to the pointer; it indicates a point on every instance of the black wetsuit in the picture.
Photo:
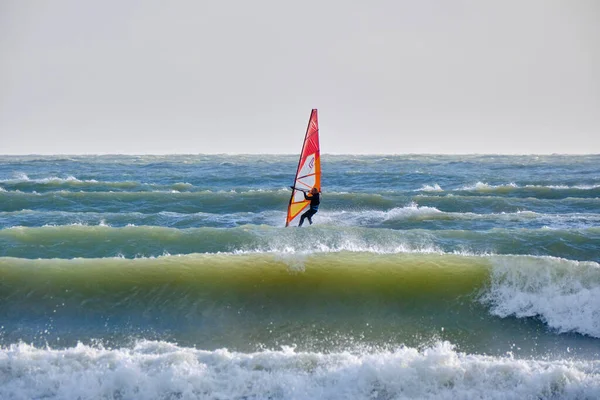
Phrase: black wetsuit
(315, 200)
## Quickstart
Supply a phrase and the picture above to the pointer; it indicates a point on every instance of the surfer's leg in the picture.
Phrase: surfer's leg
(309, 215)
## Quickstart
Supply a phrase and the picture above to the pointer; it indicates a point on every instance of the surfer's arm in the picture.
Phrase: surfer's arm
(302, 190)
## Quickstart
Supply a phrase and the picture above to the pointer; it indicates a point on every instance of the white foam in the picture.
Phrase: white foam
(370, 217)
(21, 176)
(564, 187)
(323, 239)
(412, 210)
(348, 244)
(564, 294)
(430, 188)
(483, 186)
(159, 370)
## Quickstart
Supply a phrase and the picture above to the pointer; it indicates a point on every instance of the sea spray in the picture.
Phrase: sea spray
(152, 370)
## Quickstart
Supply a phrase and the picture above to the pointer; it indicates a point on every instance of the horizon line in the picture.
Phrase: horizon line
(292, 154)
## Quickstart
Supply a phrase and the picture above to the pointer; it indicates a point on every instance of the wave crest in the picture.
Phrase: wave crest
(562, 293)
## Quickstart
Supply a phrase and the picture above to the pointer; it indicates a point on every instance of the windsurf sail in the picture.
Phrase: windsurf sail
(308, 174)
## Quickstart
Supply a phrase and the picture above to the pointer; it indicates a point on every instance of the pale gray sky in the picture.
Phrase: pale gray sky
(432, 76)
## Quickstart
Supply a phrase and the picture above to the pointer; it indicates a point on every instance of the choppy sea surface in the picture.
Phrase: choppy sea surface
(423, 276)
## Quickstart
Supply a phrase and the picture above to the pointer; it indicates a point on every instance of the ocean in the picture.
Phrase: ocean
(423, 276)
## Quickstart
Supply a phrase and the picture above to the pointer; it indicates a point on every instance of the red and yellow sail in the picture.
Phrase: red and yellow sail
(308, 174)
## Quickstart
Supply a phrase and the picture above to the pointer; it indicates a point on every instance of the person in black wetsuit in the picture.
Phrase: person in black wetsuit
(315, 199)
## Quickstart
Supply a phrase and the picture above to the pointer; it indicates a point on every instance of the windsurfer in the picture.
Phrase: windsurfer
(315, 199)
